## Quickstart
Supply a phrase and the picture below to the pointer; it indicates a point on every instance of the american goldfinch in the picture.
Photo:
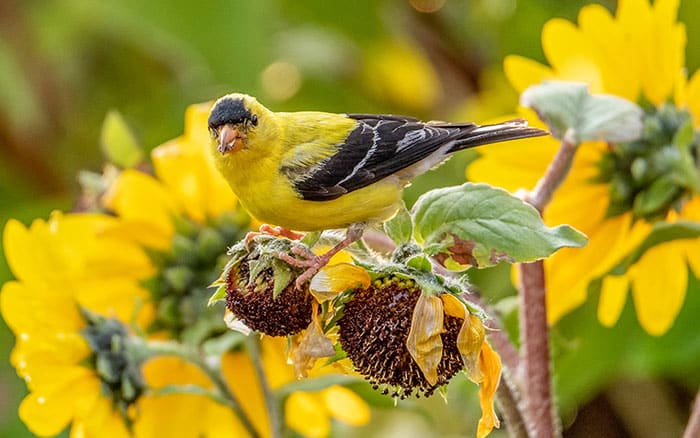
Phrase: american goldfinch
(311, 171)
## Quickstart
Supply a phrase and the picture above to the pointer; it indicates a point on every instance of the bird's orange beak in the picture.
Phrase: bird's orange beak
(230, 139)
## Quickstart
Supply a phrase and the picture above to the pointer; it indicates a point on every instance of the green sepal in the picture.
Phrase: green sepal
(282, 274)
(219, 295)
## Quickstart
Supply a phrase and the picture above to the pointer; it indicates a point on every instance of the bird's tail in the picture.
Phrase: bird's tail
(510, 130)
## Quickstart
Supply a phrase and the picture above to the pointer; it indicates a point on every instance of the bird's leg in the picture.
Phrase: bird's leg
(313, 262)
(273, 231)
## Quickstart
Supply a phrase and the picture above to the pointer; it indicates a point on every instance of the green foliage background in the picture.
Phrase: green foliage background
(65, 63)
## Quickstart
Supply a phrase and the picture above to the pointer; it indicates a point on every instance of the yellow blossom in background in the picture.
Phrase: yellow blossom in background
(68, 261)
(637, 54)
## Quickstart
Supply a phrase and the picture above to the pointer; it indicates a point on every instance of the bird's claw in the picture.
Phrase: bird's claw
(273, 231)
(312, 262)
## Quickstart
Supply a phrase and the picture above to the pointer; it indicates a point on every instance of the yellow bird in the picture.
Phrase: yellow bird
(311, 171)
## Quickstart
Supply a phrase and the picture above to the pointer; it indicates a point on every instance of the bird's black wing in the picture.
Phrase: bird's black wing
(379, 146)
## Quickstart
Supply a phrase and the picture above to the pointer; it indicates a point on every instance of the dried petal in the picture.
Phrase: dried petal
(490, 366)
(309, 346)
(424, 342)
(469, 343)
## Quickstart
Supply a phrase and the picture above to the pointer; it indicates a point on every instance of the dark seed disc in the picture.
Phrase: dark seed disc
(287, 314)
(374, 330)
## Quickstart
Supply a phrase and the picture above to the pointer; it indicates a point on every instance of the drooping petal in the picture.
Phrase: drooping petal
(659, 283)
(490, 365)
(344, 405)
(612, 299)
(309, 346)
(469, 343)
(424, 342)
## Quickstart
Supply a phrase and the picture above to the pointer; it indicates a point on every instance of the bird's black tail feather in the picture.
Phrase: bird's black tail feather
(510, 130)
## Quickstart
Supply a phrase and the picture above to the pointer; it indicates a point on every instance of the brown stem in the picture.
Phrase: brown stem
(555, 174)
(692, 430)
(534, 331)
(534, 335)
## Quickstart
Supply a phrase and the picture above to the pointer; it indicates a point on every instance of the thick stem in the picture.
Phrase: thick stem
(167, 348)
(271, 402)
(534, 332)
(692, 430)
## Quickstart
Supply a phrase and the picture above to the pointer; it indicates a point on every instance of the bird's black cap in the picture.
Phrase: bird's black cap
(230, 110)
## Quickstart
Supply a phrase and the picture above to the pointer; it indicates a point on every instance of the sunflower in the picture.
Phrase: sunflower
(637, 54)
(66, 263)
(140, 267)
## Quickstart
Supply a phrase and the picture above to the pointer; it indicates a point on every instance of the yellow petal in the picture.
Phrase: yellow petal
(196, 117)
(334, 279)
(424, 342)
(469, 344)
(559, 38)
(523, 72)
(138, 197)
(47, 413)
(244, 383)
(453, 306)
(102, 421)
(490, 365)
(693, 97)
(659, 282)
(307, 415)
(612, 299)
(189, 173)
(346, 406)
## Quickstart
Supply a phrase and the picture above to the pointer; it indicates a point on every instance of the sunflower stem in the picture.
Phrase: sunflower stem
(211, 370)
(539, 410)
(555, 174)
(693, 427)
(271, 402)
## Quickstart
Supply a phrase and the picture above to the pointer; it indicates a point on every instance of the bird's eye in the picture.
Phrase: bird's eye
(213, 133)
(254, 120)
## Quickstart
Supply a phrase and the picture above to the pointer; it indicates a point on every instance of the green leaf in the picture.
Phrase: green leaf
(118, 142)
(660, 233)
(400, 227)
(569, 109)
(480, 225)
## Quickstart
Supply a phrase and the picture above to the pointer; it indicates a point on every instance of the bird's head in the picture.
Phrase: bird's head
(233, 119)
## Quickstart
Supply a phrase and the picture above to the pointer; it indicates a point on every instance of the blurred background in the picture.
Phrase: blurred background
(64, 64)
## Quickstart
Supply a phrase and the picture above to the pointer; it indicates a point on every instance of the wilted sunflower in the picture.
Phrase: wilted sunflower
(615, 193)
(407, 334)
